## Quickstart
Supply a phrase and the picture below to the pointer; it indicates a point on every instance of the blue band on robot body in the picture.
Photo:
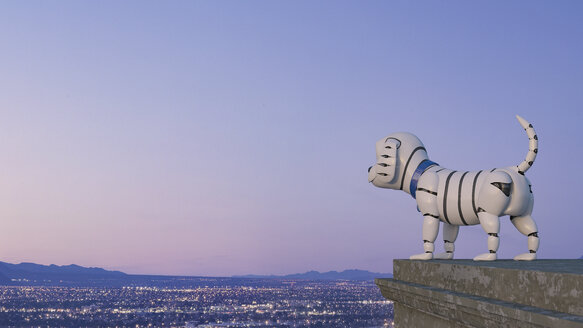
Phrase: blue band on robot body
(422, 167)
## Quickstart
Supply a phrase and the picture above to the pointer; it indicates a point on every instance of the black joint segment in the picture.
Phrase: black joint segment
(388, 147)
(530, 188)
(481, 210)
(492, 252)
(449, 252)
(533, 252)
(530, 163)
(427, 191)
(426, 241)
(447, 241)
(512, 218)
(432, 215)
(503, 186)
(493, 235)
(535, 150)
(535, 137)
(520, 172)
(530, 125)
(428, 252)
(534, 234)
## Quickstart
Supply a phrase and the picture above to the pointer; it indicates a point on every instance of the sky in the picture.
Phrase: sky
(234, 137)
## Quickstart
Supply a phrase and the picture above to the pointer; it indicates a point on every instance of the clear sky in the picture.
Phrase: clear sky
(233, 137)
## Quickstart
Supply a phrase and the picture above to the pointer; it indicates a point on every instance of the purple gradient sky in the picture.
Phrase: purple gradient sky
(220, 138)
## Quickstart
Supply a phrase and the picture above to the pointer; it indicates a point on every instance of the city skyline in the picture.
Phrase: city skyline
(219, 139)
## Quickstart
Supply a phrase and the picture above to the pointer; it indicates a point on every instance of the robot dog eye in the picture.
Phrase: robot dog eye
(369, 169)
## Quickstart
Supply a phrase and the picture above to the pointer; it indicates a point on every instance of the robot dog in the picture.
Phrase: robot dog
(458, 198)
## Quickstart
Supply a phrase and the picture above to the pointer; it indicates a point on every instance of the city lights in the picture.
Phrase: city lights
(200, 303)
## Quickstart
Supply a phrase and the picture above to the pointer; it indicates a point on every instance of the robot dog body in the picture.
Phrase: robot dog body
(458, 198)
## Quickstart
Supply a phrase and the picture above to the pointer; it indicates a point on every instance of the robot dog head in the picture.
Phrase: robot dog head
(397, 157)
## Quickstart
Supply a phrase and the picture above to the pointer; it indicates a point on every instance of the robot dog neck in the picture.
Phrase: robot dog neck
(422, 167)
(411, 168)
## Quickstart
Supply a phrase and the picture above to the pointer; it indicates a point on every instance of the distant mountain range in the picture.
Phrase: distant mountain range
(38, 274)
(330, 275)
(31, 272)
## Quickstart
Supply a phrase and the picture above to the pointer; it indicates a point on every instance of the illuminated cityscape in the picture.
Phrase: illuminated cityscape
(199, 302)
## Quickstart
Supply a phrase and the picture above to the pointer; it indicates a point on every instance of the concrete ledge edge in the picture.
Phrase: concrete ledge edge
(403, 292)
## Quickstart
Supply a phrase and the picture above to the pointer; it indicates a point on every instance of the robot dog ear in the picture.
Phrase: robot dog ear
(387, 150)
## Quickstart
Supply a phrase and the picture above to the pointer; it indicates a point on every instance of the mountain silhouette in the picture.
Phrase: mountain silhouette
(53, 273)
(352, 274)
(31, 273)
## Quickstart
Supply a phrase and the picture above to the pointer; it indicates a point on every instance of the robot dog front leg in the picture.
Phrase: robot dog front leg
(427, 204)
(450, 233)
(430, 230)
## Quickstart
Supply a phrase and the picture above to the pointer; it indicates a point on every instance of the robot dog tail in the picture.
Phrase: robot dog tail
(532, 146)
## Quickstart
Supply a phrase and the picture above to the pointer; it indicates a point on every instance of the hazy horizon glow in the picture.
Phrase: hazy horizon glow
(222, 138)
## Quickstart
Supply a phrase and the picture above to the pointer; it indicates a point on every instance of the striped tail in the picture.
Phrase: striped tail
(532, 146)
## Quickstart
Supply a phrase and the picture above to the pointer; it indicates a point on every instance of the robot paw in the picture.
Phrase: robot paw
(486, 257)
(422, 256)
(443, 256)
(525, 257)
